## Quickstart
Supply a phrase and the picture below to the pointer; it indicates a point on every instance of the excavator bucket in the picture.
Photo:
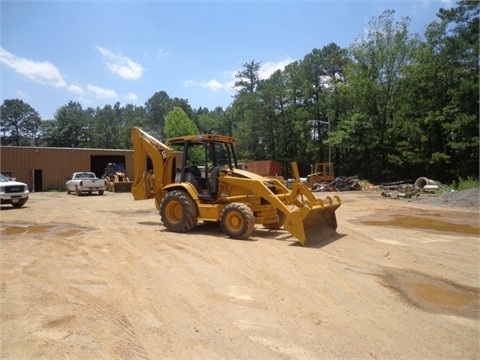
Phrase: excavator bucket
(312, 225)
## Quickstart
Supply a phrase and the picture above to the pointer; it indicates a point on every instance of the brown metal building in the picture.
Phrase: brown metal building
(264, 167)
(46, 168)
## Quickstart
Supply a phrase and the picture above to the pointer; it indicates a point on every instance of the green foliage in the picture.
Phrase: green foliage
(247, 79)
(20, 121)
(468, 183)
(178, 124)
(210, 123)
(464, 184)
(157, 108)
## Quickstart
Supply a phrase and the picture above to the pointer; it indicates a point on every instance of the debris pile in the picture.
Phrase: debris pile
(405, 188)
(341, 183)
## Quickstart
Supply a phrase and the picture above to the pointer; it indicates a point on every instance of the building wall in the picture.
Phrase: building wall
(56, 164)
(264, 167)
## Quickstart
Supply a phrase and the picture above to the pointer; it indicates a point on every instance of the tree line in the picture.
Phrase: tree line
(392, 106)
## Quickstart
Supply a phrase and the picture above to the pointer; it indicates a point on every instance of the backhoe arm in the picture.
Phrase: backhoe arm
(146, 186)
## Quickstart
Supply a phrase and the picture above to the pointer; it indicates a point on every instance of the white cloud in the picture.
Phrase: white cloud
(42, 72)
(131, 97)
(212, 84)
(426, 3)
(162, 53)
(76, 89)
(267, 69)
(101, 92)
(121, 65)
(47, 74)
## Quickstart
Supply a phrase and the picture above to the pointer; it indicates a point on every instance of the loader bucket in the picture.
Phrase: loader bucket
(311, 225)
(122, 186)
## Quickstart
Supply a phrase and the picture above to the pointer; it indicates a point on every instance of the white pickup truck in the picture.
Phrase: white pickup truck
(85, 182)
(13, 192)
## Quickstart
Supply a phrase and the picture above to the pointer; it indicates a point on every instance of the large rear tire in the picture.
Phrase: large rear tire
(237, 221)
(178, 211)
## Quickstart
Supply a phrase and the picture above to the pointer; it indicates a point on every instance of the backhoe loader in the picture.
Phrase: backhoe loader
(234, 198)
(116, 178)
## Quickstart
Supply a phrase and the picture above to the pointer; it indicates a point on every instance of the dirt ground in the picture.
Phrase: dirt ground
(98, 277)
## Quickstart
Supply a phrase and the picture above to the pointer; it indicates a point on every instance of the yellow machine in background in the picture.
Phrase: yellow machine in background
(116, 179)
(222, 193)
(321, 172)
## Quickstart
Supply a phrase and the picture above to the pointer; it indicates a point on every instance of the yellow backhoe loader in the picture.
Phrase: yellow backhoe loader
(116, 179)
(222, 193)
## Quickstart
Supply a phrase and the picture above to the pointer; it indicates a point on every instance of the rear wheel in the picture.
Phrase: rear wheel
(237, 221)
(178, 211)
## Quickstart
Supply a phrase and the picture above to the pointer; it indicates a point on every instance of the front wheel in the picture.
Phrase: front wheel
(19, 203)
(237, 221)
(178, 211)
(78, 192)
(100, 192)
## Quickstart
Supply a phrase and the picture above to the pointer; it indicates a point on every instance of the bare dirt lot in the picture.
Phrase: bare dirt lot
(98, 277)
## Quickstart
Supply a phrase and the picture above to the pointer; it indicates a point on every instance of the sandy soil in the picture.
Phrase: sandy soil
(98, 277)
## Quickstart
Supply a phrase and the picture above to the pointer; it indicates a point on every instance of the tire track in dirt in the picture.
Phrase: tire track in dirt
(127, 344)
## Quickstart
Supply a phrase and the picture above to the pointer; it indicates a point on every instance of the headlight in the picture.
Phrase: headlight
(25, 187)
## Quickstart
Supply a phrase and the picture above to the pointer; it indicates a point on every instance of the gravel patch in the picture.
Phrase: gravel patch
(466, 199)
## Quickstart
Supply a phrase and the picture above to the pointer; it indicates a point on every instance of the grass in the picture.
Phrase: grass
(464, 184)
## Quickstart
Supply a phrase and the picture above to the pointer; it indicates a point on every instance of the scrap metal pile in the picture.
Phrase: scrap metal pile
(340, 183)
(405, 188)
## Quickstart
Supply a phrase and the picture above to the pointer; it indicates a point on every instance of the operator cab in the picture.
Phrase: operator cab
(204, 158)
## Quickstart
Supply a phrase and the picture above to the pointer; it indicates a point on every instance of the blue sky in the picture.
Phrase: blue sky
(103, 52)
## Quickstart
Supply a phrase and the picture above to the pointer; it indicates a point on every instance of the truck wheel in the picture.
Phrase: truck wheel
(100, 192)
(78, 192)
(237, 221)
(20, 203)
(178, 211)
(68, 191)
